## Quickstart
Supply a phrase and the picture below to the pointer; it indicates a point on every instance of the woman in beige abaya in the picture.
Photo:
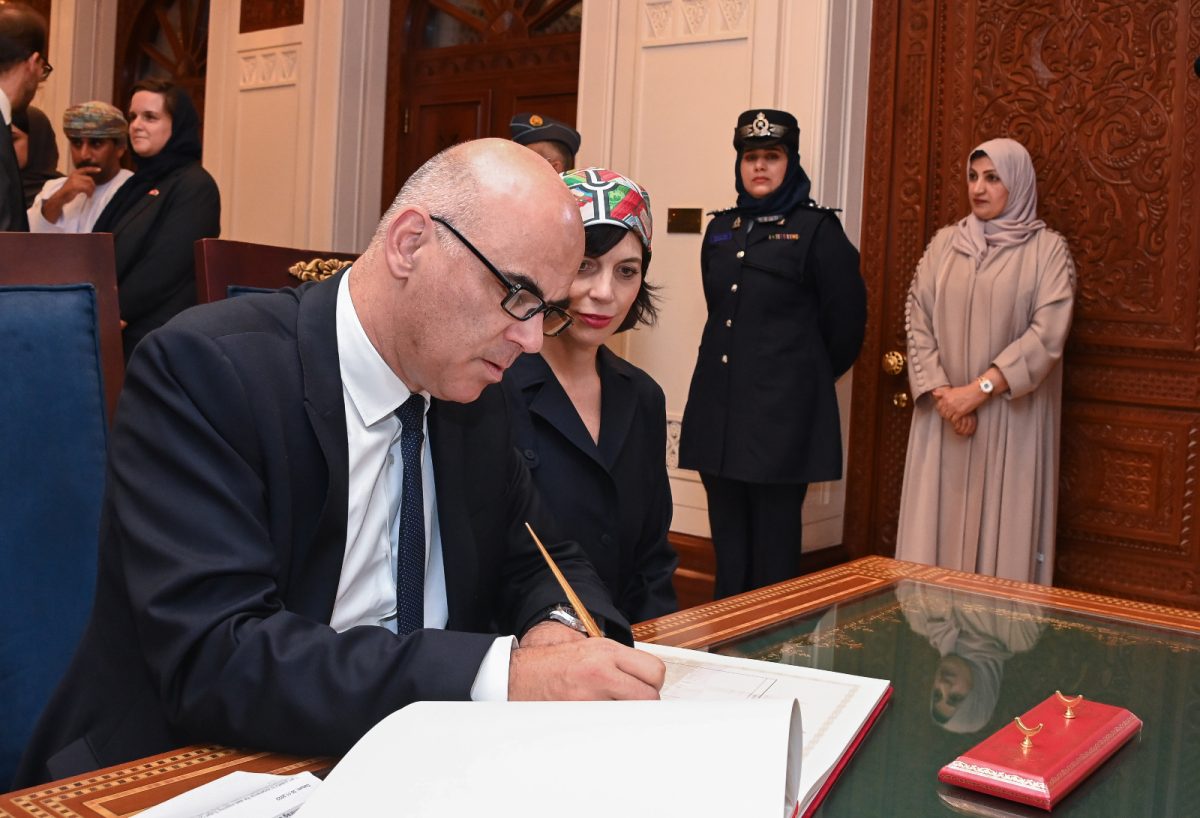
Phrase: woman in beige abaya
(987, 318)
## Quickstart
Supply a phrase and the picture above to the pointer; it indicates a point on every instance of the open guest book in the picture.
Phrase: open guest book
(1060, 755)
(732, 736)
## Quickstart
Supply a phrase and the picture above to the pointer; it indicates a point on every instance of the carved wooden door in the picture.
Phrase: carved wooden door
(459, 70)
(1105, 95)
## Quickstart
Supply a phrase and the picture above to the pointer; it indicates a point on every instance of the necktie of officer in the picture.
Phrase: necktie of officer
(410, 533)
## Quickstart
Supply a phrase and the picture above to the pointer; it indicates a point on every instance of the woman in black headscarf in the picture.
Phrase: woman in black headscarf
(786, 313)
(40, 164)
(160, 212)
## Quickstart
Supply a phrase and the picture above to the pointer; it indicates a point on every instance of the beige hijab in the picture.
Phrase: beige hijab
(1019, 222)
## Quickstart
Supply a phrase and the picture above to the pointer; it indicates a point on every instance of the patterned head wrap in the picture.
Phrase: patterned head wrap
(98, 120)
(607, 197)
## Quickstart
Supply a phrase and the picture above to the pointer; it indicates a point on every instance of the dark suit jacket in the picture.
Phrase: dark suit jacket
(153, 242)
(222, 540)
(615, 497)
(786, 314)
(13, 217)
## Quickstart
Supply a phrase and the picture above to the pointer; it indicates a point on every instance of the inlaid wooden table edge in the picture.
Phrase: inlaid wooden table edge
(125, 790)
(738, 616)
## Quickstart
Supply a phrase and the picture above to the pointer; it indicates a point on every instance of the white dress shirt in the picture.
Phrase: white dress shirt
(78, 215)
(366, 592)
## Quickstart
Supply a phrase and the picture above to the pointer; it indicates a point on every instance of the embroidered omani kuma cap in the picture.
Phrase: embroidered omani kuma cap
(96, 119)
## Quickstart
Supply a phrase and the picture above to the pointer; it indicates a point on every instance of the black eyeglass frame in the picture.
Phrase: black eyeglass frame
(47, 68)
(514, 290)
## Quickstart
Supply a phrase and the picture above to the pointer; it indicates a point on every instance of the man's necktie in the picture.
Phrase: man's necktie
(410, 539)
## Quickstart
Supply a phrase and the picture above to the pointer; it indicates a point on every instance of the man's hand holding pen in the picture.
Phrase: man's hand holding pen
(561, 664)
(555, 662)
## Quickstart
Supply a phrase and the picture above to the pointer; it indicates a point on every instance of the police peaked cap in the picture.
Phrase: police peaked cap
(762, 127)
(529, 128)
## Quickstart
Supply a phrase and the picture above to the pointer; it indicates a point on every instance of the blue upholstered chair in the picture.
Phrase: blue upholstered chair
(60, 373)
(225, 268)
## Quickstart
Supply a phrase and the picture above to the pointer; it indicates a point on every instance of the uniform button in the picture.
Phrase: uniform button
(724, 359)
(606, 540)
(741, 253)
(729, 322)
(530, 454)
(733, 289)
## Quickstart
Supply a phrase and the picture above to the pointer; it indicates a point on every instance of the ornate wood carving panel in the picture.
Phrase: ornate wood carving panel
(1098, 90)
(1128, 478)
(1104, 95)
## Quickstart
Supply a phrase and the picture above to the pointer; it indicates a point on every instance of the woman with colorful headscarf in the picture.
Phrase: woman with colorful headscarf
(592, 426)
(159, 213)
(786, 314)
(987, 318)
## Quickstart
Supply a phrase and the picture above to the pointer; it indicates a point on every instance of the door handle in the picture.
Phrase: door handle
(893, 362)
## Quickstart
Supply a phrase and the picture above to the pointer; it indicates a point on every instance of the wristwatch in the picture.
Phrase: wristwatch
(565, 615)
(985, 385)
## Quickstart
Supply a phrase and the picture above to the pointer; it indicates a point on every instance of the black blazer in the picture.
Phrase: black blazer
(614, 498)
(153, 242)
(13, 217)
(222, 539)
(786, 314)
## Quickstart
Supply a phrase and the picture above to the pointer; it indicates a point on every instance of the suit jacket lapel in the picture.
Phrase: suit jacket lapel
(316, 335)
(618, 402)
(19, 220)
(550, 402)
(141, 204)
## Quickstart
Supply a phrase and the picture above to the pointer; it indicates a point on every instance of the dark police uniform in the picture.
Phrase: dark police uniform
(786, 315)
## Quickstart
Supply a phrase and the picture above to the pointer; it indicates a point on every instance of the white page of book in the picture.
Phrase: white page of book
(577, 759)
(834, 705)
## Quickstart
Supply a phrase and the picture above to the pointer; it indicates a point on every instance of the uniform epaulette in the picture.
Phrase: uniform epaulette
(722, 212)
(815, 206)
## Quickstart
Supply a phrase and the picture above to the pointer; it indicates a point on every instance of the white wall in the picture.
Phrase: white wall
(661, 85)
(299, 111)
(82, 50)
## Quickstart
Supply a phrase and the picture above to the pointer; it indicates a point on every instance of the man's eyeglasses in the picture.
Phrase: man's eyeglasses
(47, 69)
(520, 303)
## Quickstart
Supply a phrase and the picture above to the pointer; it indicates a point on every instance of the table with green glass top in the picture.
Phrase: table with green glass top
(965, 654)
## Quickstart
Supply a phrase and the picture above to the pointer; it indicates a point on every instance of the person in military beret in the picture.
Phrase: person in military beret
(556, 142)
(786, 316)
(71, 204)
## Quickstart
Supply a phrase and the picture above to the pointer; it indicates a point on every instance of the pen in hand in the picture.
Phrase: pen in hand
(572, 597)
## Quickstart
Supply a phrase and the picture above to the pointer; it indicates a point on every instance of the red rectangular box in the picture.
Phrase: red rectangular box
(1065, 752)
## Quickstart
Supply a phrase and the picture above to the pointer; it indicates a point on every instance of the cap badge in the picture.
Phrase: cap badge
(536, 121)
(760, 127)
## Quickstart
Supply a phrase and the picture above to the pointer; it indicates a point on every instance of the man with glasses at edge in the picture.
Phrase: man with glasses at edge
(253, 585)
(23, 66)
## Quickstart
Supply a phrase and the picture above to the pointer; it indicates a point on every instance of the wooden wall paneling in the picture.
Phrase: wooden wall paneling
(260, 15)
(893, 236)
(1105, 97)
(162, 38)
(515, 63)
